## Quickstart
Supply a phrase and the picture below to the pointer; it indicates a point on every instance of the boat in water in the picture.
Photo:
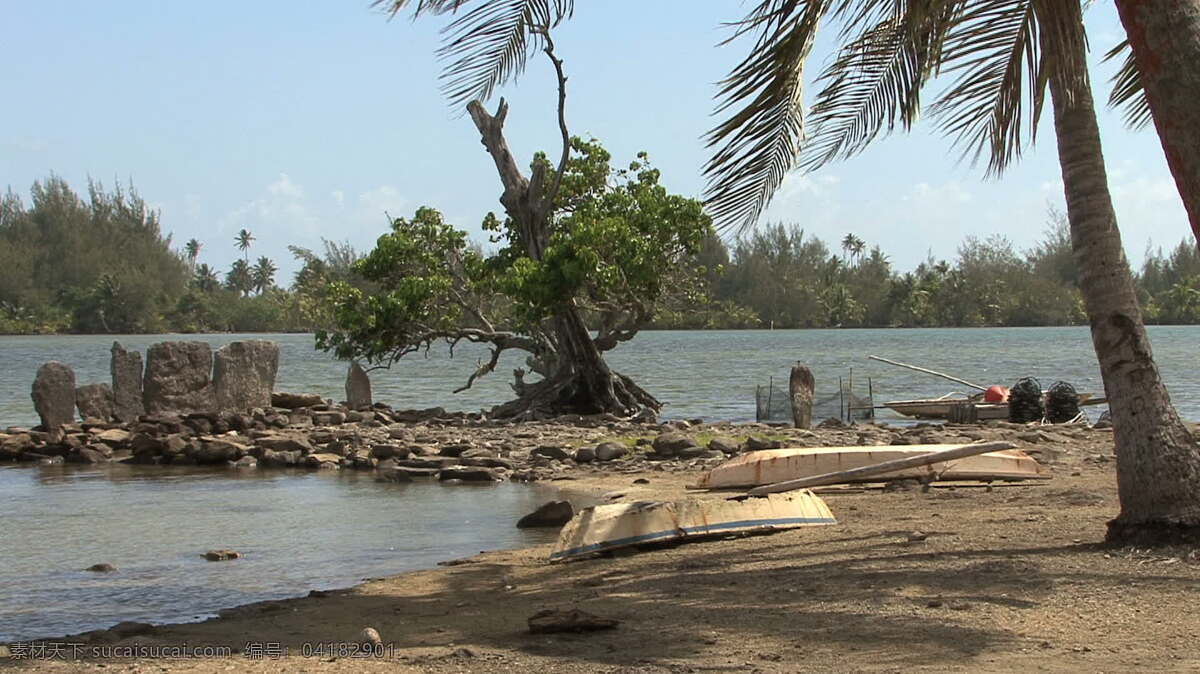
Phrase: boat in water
(770, 466)
(946, 406)
(622, 525)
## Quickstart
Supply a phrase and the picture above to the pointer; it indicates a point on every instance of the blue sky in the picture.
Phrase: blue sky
(303, 120)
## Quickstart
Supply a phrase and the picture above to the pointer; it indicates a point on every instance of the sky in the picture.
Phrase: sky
(308, 120)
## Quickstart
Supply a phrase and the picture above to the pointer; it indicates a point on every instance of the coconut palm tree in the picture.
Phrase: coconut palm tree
(205, 279)
(1004, 55)
(263, 274)
(192, 247)
(242, 240)
(240, 278)
(1164, 46)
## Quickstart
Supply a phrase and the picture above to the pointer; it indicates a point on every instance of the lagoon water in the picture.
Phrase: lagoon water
(310, 530)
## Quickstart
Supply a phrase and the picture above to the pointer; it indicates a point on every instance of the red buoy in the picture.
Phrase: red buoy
(995, 394)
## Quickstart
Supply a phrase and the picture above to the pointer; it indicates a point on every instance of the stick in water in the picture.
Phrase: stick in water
(921, 369)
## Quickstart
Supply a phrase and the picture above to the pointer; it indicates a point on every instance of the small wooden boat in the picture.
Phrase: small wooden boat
(621, 525)
(942, 408)
(778, 465)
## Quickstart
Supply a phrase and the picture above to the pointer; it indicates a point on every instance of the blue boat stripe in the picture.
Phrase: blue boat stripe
(668, 533)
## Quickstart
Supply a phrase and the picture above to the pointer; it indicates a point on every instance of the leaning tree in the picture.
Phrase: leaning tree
(583, 244)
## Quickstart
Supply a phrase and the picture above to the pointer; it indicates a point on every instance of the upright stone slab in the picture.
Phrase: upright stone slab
(178, 378)
(94, 401)
(358, 387)
(801, 387)
(244, 375)
(54, 394)
(126, 369)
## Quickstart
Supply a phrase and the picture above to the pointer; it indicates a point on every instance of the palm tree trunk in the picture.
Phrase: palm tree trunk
(1158, 461)
(1165, 38)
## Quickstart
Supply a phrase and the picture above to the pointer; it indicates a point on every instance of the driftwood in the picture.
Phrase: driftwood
(801, 387)
(932, 372)
(843, 476)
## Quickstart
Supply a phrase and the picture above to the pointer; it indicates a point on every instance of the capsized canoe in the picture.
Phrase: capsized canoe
(621, 525)
(769, 466)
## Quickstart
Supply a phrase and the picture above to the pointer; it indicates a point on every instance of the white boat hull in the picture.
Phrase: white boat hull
(778, 465)
(621, 525)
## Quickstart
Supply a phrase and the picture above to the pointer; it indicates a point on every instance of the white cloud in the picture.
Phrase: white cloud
(937, 196)
(383, 199)
(281, 210)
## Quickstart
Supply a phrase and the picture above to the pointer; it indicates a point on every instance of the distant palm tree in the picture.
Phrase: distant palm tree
(243, 240)
(205, 279)
(240, 278)
(853, 245)
(192, 247)
(263, 274)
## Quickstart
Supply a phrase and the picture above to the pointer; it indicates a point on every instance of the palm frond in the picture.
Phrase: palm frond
(876, 79)
(1001, 82)
(759, 142)
(1127, 93)
(489, 42)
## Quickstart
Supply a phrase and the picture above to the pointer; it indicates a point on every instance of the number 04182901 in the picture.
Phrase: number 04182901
(341, 649)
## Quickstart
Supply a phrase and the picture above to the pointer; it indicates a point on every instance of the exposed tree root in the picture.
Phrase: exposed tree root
(1152, 534)
(579, 393)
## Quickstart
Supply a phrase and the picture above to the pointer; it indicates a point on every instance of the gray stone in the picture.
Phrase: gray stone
(550, 452)
(244, 375)
(585, 455)
(54, 395)
(468, 474)
(278, 459)
(86, 455)
(358, 388)
(550, 514)
(217, 450)
(178, 378)
(285, 443)
(126, 370)
(12, 446)
(670, 444)
(245, 462)
(610, 451)
(723, 445)
(294, 401)
(94, 401)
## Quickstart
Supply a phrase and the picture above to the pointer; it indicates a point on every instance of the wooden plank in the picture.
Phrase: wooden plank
(842, 476)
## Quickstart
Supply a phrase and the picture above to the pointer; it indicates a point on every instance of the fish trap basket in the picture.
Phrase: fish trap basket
(773, 403)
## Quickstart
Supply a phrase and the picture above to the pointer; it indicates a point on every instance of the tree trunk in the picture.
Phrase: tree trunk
(1165, 38)
(800, 387)
(580, 381)
(1158, 462)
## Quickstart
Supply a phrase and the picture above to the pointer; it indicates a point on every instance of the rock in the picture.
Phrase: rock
(358, 388)
(221, 555)
(585, 455)
(278, 459)
(610, 451)
(455, 449)
(369, 636)
(244, 375)
(550, 452)
(285, 443)
(54, 395)
(468, 474)
(144, 443)
(548, 621)
(389, 451)
(917, 536)
(246, 462)
(94, 401)
(550, 514)
(754, 444)
(319, 460)
(126, 369)
(487, 462)
(329, 418)
(101, 568)
(723, 445)
(218, 450)
(86, 455)
(669, 444)
(393, 473)
(131, 629)
(12, 446)
(114, 437)
(417, 472)
(177, 378)
(293, 401)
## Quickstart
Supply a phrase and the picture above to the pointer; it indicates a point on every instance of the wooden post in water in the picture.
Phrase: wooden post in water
(801, 386)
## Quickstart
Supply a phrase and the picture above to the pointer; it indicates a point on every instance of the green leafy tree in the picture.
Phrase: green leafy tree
(263, 274)
(240, 277)
(608, 249)
(205, 279)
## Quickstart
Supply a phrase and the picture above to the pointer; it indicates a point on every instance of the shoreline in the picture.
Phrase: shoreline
(1012, 576)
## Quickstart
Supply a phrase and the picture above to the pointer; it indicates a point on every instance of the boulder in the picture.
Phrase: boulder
(550, 514)
(670, 444)
(114, 437)
(244, 375)
(468, 474)
(12, 446)
(754, 444)
(610, 451)
(551, 452)
(285, 443)
(723, 445)
(86, 455)
(487, 462)
(389, 451)
(218, 450)
(94, 401)
(126, 369)
(278, 459)
(317, 460)
(54, 395)
(456, 449)
(358, 387)
(178, 378)
(294, 401)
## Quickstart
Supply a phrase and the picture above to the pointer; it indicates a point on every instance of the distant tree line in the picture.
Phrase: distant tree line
(101, 264)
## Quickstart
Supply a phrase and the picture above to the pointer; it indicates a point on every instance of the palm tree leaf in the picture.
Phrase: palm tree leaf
(759, 142)
(877, 77)
(489, 42)
(1001, 82)
(1127, 93)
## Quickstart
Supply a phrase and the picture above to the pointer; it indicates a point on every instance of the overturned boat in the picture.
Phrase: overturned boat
(769, 466)
(621, 525)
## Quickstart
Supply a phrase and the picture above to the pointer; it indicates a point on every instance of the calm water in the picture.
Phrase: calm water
(306, 531)
(299, 531)
(708, 374)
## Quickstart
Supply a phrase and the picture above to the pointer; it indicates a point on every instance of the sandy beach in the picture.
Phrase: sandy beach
(1012, 577)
